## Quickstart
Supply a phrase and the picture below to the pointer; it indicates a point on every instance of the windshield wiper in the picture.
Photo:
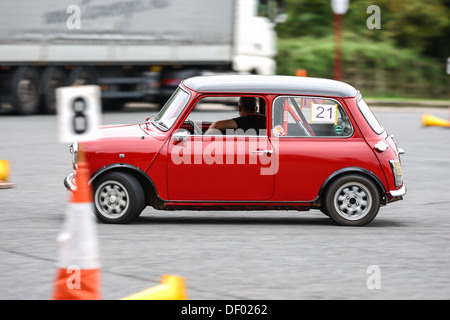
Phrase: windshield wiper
(162, 124)
(149, 120)
(155, 121)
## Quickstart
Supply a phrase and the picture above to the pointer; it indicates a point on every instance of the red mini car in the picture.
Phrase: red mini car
(298, 143)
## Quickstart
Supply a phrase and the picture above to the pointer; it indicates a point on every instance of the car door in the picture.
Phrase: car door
(235, 166)
(315, 138)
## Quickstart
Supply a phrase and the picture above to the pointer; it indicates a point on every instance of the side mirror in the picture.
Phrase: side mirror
(180, 136)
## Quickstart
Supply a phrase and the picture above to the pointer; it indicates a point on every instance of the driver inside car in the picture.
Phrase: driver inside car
(249, 118)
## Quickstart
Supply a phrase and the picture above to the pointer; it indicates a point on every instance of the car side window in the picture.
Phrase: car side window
(226, 108)
(296, 116)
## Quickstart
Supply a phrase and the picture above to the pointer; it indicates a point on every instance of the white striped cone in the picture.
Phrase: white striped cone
(78, 275)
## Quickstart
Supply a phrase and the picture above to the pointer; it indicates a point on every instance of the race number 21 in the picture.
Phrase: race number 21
(324, 113)
(78, 113)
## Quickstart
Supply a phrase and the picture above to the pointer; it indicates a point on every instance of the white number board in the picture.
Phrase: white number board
(323, 113)
(79, 111)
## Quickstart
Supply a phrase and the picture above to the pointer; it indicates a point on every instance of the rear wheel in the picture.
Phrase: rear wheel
(114, 104)
(52, 79)
(25, 91)
(352, 200)
(82, 76)
(118, 198)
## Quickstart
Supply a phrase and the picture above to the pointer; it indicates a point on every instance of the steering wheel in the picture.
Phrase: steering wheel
(197, 129)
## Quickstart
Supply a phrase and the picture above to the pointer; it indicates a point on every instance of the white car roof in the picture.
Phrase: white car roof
(270, 84)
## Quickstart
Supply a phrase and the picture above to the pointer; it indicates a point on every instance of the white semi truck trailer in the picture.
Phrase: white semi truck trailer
(135, 50)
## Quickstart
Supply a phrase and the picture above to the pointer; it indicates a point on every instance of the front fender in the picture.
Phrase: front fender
(71, 184)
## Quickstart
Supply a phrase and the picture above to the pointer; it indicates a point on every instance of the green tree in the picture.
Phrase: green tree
(420, 25)
(414, 24)
(306, 18)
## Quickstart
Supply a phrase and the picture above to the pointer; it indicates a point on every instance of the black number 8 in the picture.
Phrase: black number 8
(79, 120)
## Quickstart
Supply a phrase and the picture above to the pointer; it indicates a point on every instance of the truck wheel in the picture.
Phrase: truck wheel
(82, 76)
(352, 200)
(114, 104)
(118, 198)
(25, 91)
(52, 78)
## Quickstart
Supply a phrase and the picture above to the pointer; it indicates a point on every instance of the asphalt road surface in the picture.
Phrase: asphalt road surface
(234, 255)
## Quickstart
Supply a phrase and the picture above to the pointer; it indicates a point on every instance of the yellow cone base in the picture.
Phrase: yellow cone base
(171, 288)
(6, 185)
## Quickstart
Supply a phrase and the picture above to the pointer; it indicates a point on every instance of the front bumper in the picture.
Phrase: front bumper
(398, 193)
(70, 181)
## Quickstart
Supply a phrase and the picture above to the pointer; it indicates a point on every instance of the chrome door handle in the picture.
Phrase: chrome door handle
(180, 136)
(263, 151)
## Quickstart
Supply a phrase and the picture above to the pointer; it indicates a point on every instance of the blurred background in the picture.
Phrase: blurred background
(406, 57)
(139, 50)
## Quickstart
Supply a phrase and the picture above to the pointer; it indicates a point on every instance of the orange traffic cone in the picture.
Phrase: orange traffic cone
(78, 274)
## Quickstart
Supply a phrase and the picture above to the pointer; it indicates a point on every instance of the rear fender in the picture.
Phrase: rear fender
(381, 188)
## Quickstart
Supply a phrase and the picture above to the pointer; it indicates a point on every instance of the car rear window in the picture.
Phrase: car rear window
(300, 116)
(370, 117)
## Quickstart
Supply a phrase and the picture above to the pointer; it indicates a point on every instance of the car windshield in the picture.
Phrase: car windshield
(165, 119)
(370, 117)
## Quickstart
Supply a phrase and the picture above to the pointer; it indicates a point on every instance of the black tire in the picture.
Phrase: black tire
(352, 200)
(323, 209)
(114, 104)
(25, 91)
(52, 78)
(118, 198)
(82, 76)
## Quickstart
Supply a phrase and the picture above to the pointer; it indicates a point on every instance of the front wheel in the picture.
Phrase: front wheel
(352, 200)
(118, 198)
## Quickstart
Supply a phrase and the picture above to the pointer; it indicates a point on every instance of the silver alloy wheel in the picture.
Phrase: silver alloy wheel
(112, 199)
(353, 201)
